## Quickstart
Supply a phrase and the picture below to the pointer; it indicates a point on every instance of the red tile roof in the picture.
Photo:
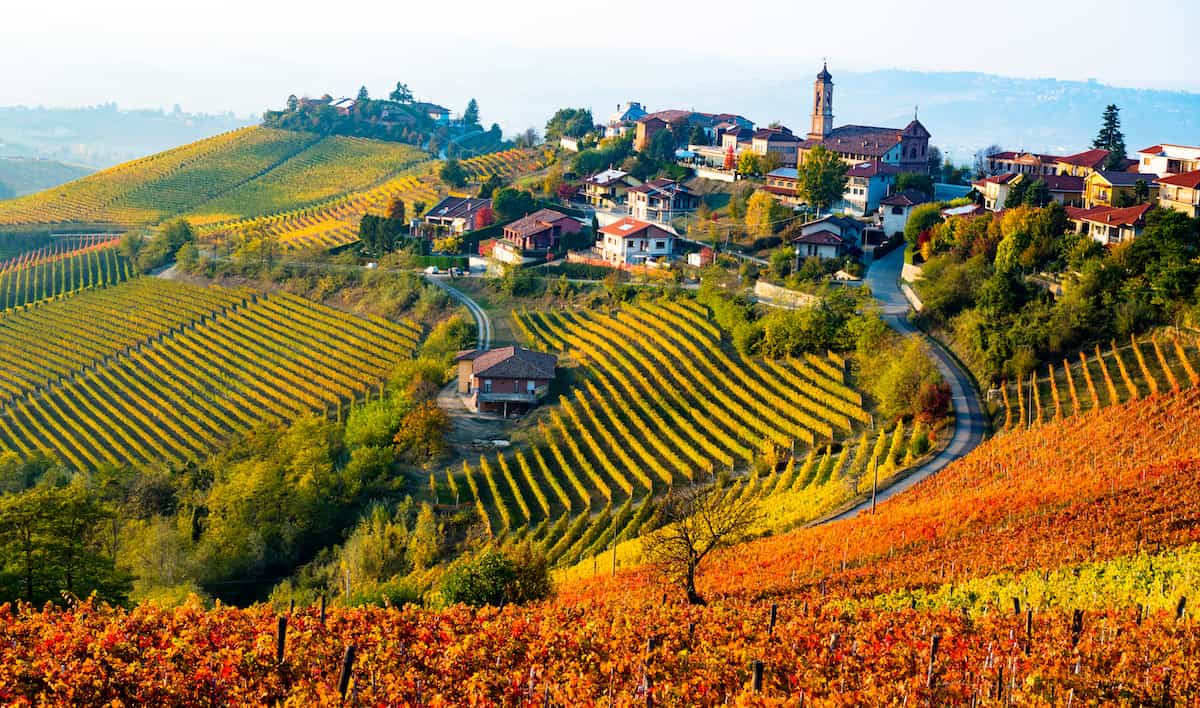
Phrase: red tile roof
(512, 363)
(629, 227)
(1152, 150)
(998, 179)
(859, 140)
(1088, 158)
(1186, 179)
(535, 223)
(1126, 216)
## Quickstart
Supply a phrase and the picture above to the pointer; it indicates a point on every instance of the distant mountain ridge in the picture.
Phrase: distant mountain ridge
(967, 111)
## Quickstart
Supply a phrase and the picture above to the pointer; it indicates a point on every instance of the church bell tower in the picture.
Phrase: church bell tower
(822, 115)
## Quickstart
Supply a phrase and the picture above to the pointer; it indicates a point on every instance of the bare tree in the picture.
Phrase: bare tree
(695, 522)
(981, 168)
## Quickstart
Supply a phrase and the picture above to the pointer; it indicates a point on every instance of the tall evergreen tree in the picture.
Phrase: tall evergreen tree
(362, 94)
(1111, 138)
(471, 115)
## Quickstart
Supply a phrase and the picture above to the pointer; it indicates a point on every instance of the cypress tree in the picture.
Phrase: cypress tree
(1110, 137)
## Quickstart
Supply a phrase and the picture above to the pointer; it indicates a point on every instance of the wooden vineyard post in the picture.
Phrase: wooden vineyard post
(874, 483)
(774, 614)
(930, 677)
(280, 639)
(347, 669)
(757, 676)
(1180, 608)
(322, 610)
(1076, 626)
(1028, 631)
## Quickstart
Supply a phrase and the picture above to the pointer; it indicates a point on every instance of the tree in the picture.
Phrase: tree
(769, 162)
(697, 136)
(763, 213)
(822, 178)
(748, 164)
(570, 123)
(293, 103)
(470, 116)
(912, 180)
(1111, 138)
(1037, 194)
(510, 203)
(395, 210)
(422, 434)
(697, 521)
(362, 94)
(662, 147)
(1141, 192)
(488, 187)
(981, 160)
(452, 173)
(922, 218)
(730, 159)
(401, 94)
(527, 138)
(425, 543)
(1016, 193)
(934, 160)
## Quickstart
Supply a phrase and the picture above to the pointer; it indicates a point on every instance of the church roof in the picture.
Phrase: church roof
(859, 140)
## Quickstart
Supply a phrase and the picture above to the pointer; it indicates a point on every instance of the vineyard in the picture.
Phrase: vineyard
(335, 221)
(1106, 376)
(1054, 566)
(246, 172)
(145, 190)
(60, 269)
(153, 370)
(661, 403)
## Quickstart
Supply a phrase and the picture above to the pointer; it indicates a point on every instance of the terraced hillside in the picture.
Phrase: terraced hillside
(662, 403)
(67, 266)
(152, 370)
(245, 172)
(335, 222)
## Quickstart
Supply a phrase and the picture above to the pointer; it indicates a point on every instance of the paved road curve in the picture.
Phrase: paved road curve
(969, 427)
(483, 325)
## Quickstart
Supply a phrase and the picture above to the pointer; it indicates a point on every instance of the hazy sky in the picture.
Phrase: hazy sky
(245, 55)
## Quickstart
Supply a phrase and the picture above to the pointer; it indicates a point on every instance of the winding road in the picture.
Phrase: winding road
(483, 324)
(969, 427)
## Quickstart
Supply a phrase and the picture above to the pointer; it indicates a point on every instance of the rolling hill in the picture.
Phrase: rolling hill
(245, 172)
(23, 175)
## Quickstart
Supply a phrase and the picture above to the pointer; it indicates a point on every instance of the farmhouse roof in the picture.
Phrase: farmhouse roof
(511, 363)
(457, 207)
(630, 228)
(824, 237)
(872, 168)
(1088, 158)
(606, 177)
(535, 223)
(1125, 179)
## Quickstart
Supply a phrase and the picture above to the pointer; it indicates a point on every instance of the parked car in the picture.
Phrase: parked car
(432, 270)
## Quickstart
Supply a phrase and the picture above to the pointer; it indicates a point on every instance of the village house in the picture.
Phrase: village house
(624, 119)
(994, 189)
(633, 242)
(894, 210)
(458, 215)
(1084, 163)
(782, 184)
(504, 381)
(829, 237)
(776, 141)
(867, 183)
(607, 189)
(650, 124)
(1109, 225)
(1112, 188)
(904, 148)
(1064, 189)
(1180, 192)
(1166, 160)
(1022, 163)
(541, 230)
(661, 200)
(437, 114)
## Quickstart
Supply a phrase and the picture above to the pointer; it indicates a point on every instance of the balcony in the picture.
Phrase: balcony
(524, 397)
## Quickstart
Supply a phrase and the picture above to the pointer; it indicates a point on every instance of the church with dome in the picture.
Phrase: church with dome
(902, 149)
